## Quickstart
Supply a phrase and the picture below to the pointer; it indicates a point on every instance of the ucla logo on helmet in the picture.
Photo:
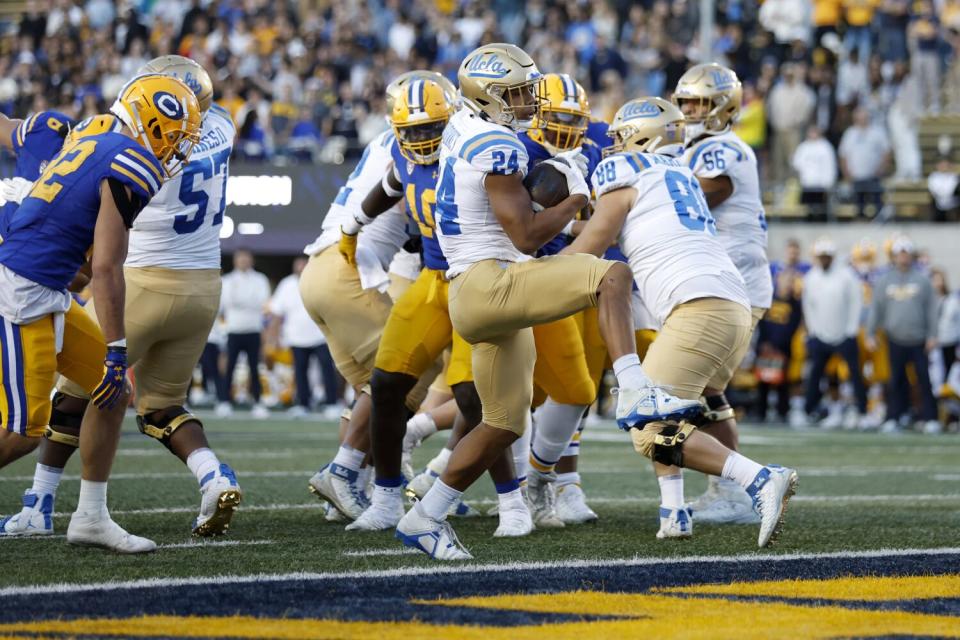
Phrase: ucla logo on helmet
(487, 67)
(168, 105)
(721, 79)
(191, 81)
(641, 110)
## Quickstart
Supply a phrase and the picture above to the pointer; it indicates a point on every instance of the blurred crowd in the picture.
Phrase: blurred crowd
(304, 79)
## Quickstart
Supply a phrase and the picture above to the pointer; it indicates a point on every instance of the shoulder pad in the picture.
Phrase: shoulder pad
(618, 171)
(496, 152)
(138, 169)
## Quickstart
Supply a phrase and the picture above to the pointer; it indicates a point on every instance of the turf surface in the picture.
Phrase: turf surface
(857, 492)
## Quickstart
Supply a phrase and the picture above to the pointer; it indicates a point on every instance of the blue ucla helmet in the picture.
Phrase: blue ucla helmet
(651, 125)
(501, 84)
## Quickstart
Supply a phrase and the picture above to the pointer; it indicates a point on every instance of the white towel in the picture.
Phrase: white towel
(372, 275)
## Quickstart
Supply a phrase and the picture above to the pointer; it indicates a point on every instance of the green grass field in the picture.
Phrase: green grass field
(857, 492)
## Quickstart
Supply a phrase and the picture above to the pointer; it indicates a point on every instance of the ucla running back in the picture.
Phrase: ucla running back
(88, 195)
(709, 95)
(487, 229)
(653, 204)
(172, 273)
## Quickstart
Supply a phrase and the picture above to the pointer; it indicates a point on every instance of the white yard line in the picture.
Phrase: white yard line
(185, 475)
(194, 544)
(367, 553)
(441, 569)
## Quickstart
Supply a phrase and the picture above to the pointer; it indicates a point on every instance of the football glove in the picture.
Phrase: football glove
(114, 380)
(15, 189)
(348, 236)
(576, 184)
(576, 158)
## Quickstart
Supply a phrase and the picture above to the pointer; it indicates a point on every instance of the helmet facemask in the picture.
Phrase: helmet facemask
(520, 104)
(420, 142)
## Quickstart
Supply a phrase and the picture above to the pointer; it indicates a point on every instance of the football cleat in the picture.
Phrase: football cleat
(637, 407)
(223, 410)
(421, 483)
(378, 518)
(99, 530)
(514, 523)
(724, 502)
(675, 523)
(340, 487)
(435, 538)
(572, 505)
(541, 499)
(771, 490)
(463, 510)
(332, 514)
(220, 496)
(35, 519)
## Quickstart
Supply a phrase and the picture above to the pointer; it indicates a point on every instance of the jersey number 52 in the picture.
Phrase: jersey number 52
(192, 191)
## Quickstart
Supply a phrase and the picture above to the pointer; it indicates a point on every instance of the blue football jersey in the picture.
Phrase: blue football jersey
(48, 237)
(592, 147)
(35, 141)
(419, 190)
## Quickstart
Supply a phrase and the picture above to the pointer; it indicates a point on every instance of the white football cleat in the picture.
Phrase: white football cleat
(890, 426)
(675, 523)
(932, 427)
(572, 505)
(99, 530)
(378, 517)
(340, 487)
(220, 496)
(35, 519)
(223, 410)
(834, 420)
(435, 538)
(514, 523)
(463, 510)
(259, 412)
(332, 514)
(771, 490)
(541, 499)
(421, 483)
(637, 407)
(724, 502)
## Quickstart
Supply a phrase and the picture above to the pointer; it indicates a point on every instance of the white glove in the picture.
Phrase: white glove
(15, 189)
(576, 158)
(576, 184)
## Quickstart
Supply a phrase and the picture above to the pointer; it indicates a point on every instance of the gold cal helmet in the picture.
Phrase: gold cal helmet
(420, 112)
(401, 81)
(564, 114)
(164, 116)
(716, 90)
(500, 83)
(187, 70)
(651, 124)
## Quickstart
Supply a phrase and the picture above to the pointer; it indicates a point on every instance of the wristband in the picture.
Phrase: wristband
(568, 229)
(388, 189)
(121, 343)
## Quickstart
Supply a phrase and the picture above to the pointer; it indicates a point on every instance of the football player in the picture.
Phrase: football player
(654, 205)
(350, 304)
(172, 273)
(89, 194)
(709, 95)
(487, 231)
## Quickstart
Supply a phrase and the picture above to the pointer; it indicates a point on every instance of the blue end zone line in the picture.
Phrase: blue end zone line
(462, 569)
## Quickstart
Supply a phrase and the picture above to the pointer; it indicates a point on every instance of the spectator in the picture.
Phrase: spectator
(925, 40)
(291, 326)
(815, 162)
(948, 321)
(864, 159)
(242, 301)
(211, 371)
(606, 58)
(904, 307)
(789, 20)
(858, 14)
(789, 109)
(826, 17)
(751, 126)
(942, 184)
(892, 19)
(832, 300)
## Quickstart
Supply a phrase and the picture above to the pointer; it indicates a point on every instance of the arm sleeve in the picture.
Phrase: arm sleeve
(498, 152)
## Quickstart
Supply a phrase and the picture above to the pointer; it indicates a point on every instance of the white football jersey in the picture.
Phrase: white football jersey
(741, 224)
(467, 229)
(388, 232)
(669, 236)
(180, 227)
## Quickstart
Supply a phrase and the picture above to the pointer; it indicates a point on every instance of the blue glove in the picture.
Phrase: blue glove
(110, 389)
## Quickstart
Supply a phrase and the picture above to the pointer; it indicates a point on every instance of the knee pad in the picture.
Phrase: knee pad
(160, 425)
(662, 441)
(64, 428)
(718, 409)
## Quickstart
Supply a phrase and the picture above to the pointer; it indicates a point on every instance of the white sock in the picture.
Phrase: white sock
(556, 424)
(93, 497)
(439, 463)
(511, 501)
(421, 426)
(386, 498)
(571, 477)
(741, 469)
(671, 491)
(349, 457)
(629, 373)
(438, 500)
(520, 449)
(46, 479)
(201, 462)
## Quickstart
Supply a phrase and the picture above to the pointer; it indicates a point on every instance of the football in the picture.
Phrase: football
(547, 186)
